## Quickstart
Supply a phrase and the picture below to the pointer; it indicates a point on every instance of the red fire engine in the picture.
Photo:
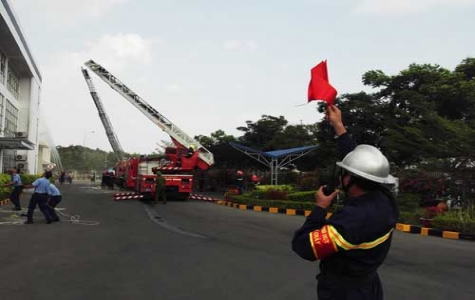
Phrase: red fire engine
(138, 173)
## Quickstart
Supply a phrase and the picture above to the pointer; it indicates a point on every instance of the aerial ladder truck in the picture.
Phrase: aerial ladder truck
(179, 162)
(111, 136)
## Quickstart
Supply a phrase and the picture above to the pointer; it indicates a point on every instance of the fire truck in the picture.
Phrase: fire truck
(177, 164)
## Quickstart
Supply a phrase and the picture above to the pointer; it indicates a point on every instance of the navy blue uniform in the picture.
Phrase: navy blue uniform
(54, 199)
(39, 197)
(351, 244)
(17, 189)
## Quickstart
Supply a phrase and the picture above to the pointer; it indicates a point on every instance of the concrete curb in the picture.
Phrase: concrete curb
(274, 210)
(399, 226)
(435, 232)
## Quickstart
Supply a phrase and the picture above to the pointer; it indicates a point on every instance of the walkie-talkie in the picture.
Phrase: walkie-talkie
(328, 189)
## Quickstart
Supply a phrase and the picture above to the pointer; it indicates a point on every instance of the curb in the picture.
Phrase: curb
(399, 226)
(274, 210)
(434, 232)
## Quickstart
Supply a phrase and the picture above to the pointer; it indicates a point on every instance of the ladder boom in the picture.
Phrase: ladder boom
(166, 125)
(119, 152)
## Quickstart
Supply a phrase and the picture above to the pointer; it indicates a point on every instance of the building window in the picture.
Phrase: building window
(1, 111)
(13, 82)
(8, 160)
(11, 119)
(3, 65)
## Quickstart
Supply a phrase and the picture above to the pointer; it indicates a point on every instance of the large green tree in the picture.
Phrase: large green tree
(422, 113)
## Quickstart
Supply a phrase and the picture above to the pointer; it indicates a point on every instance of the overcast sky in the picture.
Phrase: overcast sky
(213, 64)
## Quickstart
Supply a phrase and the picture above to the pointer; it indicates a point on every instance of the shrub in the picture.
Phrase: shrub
(408, 202)
(410, 217)
(276, 195)
(28, 178)
(4, 191)
(244, 199)
(271, 192)
(455, 221)
(282, 187)
(308, 196)
(5, 178)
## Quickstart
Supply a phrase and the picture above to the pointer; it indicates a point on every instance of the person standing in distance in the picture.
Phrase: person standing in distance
(355, 240)
(17, 188)
(160, 189)
(39, 197)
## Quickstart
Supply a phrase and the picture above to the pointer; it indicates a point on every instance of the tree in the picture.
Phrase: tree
(424, 112)
(260, 134)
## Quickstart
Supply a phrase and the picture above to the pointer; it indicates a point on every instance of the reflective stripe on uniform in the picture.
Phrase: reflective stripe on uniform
(342, 243)
(324, 242)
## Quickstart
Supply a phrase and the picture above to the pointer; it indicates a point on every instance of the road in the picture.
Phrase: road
(196, 250)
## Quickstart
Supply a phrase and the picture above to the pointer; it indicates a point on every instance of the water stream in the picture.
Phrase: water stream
(45, 136)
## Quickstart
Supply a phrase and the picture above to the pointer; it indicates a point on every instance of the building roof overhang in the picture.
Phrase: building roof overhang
(16, 144)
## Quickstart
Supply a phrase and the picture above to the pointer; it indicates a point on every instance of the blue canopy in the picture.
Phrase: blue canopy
(274, 159)
(275, 153)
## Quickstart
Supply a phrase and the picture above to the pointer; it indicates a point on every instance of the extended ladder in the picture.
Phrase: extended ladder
(171, 129)
(119, 152)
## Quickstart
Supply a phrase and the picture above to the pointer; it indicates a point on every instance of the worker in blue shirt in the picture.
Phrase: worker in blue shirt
(17, 188)
(39, 197)
(54, 198)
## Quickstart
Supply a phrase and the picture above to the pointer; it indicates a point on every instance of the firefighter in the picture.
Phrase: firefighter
(240, 181)
(39, 197)
(191, 151)
(160, 189)
(355, 240)
(54, 198)
(17, 188)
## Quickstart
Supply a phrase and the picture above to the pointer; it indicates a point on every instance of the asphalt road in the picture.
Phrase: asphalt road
(196, 250)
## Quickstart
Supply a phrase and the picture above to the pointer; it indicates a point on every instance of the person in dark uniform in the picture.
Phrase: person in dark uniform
(160, 189)
(62, 177)
(354, 241)
(240, 182)
(39, 197)
(54, 199)
(17, 188)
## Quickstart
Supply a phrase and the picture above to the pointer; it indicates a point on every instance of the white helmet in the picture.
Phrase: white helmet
(369, 163)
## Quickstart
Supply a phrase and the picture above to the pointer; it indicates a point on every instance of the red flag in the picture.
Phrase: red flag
(319, 87)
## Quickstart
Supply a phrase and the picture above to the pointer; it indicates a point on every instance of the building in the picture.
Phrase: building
(20, 95)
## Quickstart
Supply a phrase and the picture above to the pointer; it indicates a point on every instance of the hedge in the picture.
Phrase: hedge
(408, 204)
(455, 221)
(247, 200)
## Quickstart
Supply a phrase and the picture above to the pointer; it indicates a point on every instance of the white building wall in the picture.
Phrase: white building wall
(28, 101)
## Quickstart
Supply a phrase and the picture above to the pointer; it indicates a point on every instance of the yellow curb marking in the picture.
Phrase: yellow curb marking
(450, 235)
(257, 208)
(291, 211)
(403, 227)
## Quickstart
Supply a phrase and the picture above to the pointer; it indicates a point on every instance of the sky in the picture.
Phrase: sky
(212, 65)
